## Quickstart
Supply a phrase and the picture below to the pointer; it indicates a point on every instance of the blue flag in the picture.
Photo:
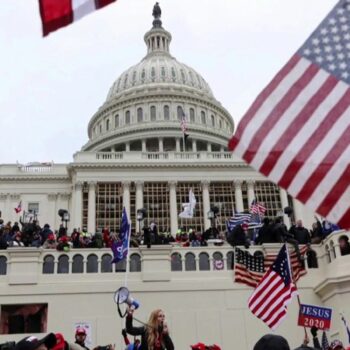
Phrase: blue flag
(120, 247)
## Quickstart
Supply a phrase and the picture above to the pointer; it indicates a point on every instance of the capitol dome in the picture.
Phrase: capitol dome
(145, 106)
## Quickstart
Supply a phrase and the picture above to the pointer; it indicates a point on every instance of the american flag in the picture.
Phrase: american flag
(18, 209)
(325, 344)
(57, 14)
(248, 267)
(257, 208)
(274, 292)
(297, 132)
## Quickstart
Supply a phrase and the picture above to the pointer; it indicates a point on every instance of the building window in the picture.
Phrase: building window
(139, 115)
(220, 124)
(33, 208)
(135, 263)
(92, 264)
(153, 113)
(127, 117)
(3, 265)
(204, 262)
(180, 112)
(176, 263)
(190, 262)
(78, 264)
(212, 120)
(100, 129)
(116, 120)
(269, 194)
(166, 113)
(203, 119)
(107, 124)
(192, 116)
(106, 263)
(49, 264)
(63, 264)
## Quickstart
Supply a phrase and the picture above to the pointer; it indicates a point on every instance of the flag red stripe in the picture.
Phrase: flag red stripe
(102, 3)
(280, 316)
(55, 14)
(335, 193)
(295, 125)
(268, 308)
(314, 140)
(278, 111)
(345, 219)
(261, 99)
(320, 172)
(259, 291)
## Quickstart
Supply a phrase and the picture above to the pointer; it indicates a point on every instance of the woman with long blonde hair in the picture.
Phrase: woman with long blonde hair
(154, 334)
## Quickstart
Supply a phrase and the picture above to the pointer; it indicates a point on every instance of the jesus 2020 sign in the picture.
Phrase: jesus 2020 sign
(311, 315)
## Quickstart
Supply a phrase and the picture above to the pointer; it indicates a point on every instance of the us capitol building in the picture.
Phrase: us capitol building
(136, 157)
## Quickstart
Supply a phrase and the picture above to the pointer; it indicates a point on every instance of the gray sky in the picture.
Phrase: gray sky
(50, 87)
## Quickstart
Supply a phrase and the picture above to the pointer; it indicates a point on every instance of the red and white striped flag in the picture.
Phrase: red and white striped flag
(257, 208)
(56, 14)
(274, 292)
(183, 123)
(297, 132)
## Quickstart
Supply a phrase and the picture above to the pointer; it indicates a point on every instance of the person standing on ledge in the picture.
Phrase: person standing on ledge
(154, 335)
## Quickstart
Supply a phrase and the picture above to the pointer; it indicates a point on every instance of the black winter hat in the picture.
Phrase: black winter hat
(272, 342)
(32, 343)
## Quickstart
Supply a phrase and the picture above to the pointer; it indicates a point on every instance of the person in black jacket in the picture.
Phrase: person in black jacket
(154, 334)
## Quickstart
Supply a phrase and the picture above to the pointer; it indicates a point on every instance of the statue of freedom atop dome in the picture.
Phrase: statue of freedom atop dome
(157, 12)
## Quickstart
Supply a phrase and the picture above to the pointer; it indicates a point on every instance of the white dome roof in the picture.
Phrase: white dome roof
(159, 68)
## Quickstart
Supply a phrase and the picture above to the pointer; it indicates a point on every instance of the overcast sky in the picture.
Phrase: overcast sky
(50, 87)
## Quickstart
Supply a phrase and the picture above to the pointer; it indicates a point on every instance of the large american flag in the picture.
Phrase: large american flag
(56, 14)
(274, 292)
(249, 269)
(297, 132)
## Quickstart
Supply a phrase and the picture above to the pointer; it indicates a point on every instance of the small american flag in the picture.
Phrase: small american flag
(325, 344)
(297, 132)
(274, 292)
(249, 269)
(18, 209)
(257, 208)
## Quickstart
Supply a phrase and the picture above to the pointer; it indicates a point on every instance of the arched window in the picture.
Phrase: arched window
(153, 113)
(176, 263)
(116, 120)
(135, 263)
(153, 74)
(190, 262)
(230, 257)
(106, 265)
(48, 265)
(120, 266)
(212, 120)
(180, 112)
(92, 264)
(220, 124)
(166, 113)
(107, 124)
(312, 262)
(218, 261)
(127, 117)
(100, 128)
(63, 264)
(78, 264)
(134, 77)
(192, 115)
(203, 119)
(204, 262)
(139, 114)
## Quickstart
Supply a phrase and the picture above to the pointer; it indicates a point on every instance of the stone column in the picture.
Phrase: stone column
(206, 203)
(144, 148)
(160, 145)
(126, 197)
(208, 147)
(3, 208)
(7, 213)
(222, 149)
(127, 146)
(113, 148)
(52, 211)
(92, 208)
(251, 193)
(178, 149)
(78, 202)
(173, 208)
(139, 202)
(284, 203)
(194, 145)
(238, 196)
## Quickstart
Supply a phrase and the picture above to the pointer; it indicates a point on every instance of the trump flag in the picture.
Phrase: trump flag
(56, 14)
(297, 132)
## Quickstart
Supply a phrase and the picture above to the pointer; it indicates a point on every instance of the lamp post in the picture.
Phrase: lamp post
(212, 217)
(65, 216)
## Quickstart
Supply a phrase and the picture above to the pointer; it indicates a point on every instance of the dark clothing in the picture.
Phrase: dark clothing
(266, 234)
(272, 342)
(237, 237)
(82, 345)
(166, 342)
(301, 234)
(317, 233)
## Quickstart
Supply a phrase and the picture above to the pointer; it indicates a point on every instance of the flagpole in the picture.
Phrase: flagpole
(294, 282)
(183, 140)
(127, 259)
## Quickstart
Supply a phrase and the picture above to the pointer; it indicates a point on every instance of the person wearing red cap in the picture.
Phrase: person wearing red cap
(336, 345)
(80, 337)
